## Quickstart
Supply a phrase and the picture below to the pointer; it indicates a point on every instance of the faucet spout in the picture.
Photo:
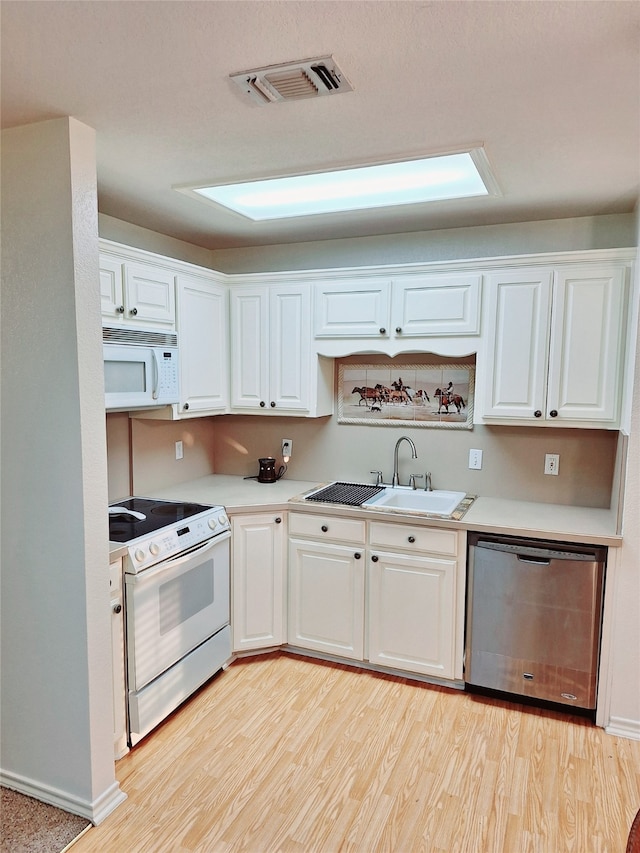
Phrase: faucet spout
(395, 481)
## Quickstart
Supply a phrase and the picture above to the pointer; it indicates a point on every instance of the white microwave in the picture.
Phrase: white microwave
(140, 368)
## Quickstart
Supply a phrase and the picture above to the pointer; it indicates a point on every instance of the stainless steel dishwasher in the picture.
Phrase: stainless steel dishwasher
(534, 612)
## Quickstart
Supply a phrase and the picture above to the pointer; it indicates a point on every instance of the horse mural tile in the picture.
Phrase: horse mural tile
(419, 395)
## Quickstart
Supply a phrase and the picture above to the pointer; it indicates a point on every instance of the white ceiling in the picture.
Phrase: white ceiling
(550, 89)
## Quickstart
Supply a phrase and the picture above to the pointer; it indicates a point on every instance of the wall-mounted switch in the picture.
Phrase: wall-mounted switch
(179, 450)
(552, 463)
(475, 459)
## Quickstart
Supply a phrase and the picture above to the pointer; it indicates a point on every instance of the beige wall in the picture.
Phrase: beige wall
(513, 457)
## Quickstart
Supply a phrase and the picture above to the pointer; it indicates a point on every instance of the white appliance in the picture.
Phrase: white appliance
(140, 368)
(177, 603)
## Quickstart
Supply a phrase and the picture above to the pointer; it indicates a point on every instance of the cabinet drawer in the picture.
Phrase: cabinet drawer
(413, 538)
(327, 527)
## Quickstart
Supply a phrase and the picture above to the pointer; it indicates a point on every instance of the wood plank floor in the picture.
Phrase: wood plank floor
(282, 753)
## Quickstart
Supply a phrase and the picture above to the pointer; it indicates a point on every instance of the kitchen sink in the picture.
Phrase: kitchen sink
(436, 502)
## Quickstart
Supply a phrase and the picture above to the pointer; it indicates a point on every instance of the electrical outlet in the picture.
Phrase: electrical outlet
(179, 450)
(475, 459)
(287, 447)
(552, 463)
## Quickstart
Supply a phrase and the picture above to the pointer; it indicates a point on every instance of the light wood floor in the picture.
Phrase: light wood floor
(281, 753)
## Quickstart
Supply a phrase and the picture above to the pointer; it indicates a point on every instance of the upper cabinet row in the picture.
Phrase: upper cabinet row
(549, 340)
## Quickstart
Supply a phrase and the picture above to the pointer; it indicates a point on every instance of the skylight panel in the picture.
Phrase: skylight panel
(430, 179)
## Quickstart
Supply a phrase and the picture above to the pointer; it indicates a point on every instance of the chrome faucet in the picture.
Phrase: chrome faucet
(395, 481)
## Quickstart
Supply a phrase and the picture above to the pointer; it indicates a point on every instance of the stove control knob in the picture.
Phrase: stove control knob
(139, 555)
(223, 519)
(154, 549)
(213, 523)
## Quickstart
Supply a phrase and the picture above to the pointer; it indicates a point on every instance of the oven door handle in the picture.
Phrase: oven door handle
(152, 573)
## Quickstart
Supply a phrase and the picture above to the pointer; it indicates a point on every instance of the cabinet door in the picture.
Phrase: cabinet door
(259, 575)
(202, 334)
(412, 613)
(111, 289)
(436, 305)
(290, 336)
(149, 295)
(326, 598)
(517, 336)
(587, 344)
(353, 309)
(249, 349)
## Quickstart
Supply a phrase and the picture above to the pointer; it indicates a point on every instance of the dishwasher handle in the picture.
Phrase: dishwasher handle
(536, 561)
(528, 552)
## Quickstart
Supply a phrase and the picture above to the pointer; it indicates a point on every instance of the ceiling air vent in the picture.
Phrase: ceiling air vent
(308, 78)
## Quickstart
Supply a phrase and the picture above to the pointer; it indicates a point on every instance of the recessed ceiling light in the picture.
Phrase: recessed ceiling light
(449, 176)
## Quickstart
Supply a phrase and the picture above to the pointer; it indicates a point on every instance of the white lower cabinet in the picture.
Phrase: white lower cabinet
(326, 598)
(412, 613)
(259, 580)
(326, 584)
(416, 598)
(392, 594)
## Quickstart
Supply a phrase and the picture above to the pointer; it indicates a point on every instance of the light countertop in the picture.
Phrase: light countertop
(518, 518)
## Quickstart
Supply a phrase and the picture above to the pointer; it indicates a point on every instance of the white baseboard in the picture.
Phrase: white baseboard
(621, 727)
(95, 811)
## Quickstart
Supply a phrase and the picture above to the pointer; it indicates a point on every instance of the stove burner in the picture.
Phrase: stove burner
(158, 514)
(177, 511)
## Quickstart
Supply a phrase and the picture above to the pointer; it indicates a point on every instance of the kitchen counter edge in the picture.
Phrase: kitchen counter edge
(485, 515)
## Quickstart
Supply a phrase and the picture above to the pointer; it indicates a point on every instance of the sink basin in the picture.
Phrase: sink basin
(437, 502)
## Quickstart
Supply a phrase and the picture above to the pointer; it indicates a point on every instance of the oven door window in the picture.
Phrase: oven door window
(183, 597)
(172, 608)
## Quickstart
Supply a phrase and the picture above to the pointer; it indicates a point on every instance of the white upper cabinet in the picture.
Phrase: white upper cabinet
(554, 344)
(273, 369)
(586, 355)
(136, 293)
(202, 335)
(434, 305)
(352, 309)
(425, 305)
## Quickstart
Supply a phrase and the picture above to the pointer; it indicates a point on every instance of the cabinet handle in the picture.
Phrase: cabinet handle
(186, 407)
(273, 405)
(278, 520)
(357, 555)
(133, 312)
(411, 539)
(120, 309)
(398, 330)
(324, 528)
(383, 331)
(537, 413)
(262, 404)
(554, 413)
(117, 608)
(374, 559)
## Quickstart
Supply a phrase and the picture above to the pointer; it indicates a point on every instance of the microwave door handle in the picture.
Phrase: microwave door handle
(156, 374)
